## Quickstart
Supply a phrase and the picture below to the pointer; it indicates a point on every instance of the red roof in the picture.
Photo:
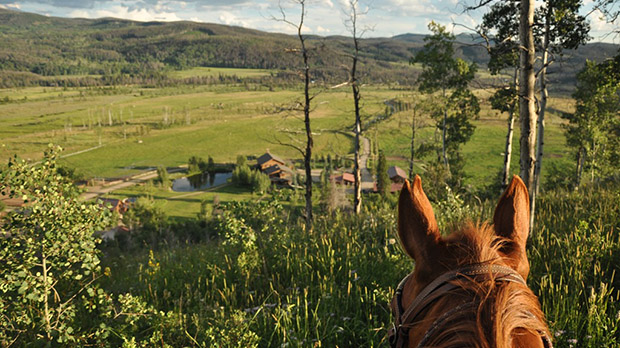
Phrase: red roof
(394, 187)
(348, 177)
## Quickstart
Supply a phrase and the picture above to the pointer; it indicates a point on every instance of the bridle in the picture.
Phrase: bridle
(398, 335)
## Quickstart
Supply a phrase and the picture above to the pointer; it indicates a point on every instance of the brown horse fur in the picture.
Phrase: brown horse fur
(506, 314)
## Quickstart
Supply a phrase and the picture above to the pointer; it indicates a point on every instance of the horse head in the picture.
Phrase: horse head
(468, 287)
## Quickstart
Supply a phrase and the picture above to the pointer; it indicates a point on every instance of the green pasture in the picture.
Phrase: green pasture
(215, 72)
(110, 132)
(185, 205)
(125, 129)
(484, 153)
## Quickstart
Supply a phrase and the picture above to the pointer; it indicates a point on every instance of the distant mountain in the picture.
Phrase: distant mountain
(34, 46)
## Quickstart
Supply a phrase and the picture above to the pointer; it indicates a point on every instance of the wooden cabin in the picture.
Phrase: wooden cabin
(280, 174)
(397, 175)
(268, 160)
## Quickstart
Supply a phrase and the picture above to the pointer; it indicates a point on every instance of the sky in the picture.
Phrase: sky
(382, 18)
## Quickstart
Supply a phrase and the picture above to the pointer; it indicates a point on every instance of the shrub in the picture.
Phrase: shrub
(260, 182)
(257, 181)
(50, 262)
(162, 177)
(147, 221)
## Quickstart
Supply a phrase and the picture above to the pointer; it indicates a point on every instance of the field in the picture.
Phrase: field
(215, 72)
(112, 132)
(126, 128)
(121, 131)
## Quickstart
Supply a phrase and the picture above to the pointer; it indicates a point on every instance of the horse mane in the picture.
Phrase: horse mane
(505, 309)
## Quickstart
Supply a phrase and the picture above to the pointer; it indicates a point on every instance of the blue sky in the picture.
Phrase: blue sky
(384, 18)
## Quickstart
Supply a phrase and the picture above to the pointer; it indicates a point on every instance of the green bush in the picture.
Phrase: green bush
(50, 291)
(244, 176)
(147, 222)
(162, 177)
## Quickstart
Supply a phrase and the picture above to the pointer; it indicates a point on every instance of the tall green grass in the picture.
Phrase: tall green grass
(265, 282)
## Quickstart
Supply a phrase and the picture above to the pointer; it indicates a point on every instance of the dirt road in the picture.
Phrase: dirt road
(96, 191)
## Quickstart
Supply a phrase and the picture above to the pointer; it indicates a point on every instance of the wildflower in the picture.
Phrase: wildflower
(559, 333)
(572, 341)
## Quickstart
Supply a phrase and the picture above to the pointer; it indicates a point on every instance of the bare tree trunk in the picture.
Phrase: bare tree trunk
(540, 142)
(413, 130)
(527, 105)
(580, 159)
(306, 107)
(509, 135)
(307, 153)
(309, 140)
(357, 200)
(443, 135)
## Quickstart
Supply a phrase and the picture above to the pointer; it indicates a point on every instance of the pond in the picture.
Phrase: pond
(199, 182)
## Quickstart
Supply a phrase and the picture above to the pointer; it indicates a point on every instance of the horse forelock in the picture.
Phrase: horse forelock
(504, 310)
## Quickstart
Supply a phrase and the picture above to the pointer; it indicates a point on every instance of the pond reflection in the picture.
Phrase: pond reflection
(199, 182)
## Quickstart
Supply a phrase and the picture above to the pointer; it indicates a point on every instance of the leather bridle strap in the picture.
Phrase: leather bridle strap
(439, 287)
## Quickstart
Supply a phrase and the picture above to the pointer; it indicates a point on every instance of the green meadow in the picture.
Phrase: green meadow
(111, 132)
(126, 128)
(122, 131)
(215, 72)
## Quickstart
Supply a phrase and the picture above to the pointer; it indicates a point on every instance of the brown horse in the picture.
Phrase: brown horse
(467, 289)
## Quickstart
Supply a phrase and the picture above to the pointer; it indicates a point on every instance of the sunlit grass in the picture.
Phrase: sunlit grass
(333, 287)
(215, 72)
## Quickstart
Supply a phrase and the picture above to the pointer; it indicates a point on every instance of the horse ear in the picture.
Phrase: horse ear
(417, 227)
(512, 222)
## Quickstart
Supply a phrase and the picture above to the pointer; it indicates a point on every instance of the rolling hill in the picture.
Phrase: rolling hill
(34, 46)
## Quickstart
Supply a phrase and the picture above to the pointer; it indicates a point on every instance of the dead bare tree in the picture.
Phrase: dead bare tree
(307, 152)
(353, 13)
(527, 101)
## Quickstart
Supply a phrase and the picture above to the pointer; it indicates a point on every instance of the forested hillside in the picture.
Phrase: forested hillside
(34, 48)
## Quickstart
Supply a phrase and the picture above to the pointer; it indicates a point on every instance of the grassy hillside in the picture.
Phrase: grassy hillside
(265, 282)
(112, 47)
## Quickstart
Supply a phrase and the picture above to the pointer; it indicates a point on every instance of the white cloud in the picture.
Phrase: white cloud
(230, 18)
(327, 3)
(410, 7)
(321, 30)
(601, 30)
(598, 22)
(120, 11)
(14, 6)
